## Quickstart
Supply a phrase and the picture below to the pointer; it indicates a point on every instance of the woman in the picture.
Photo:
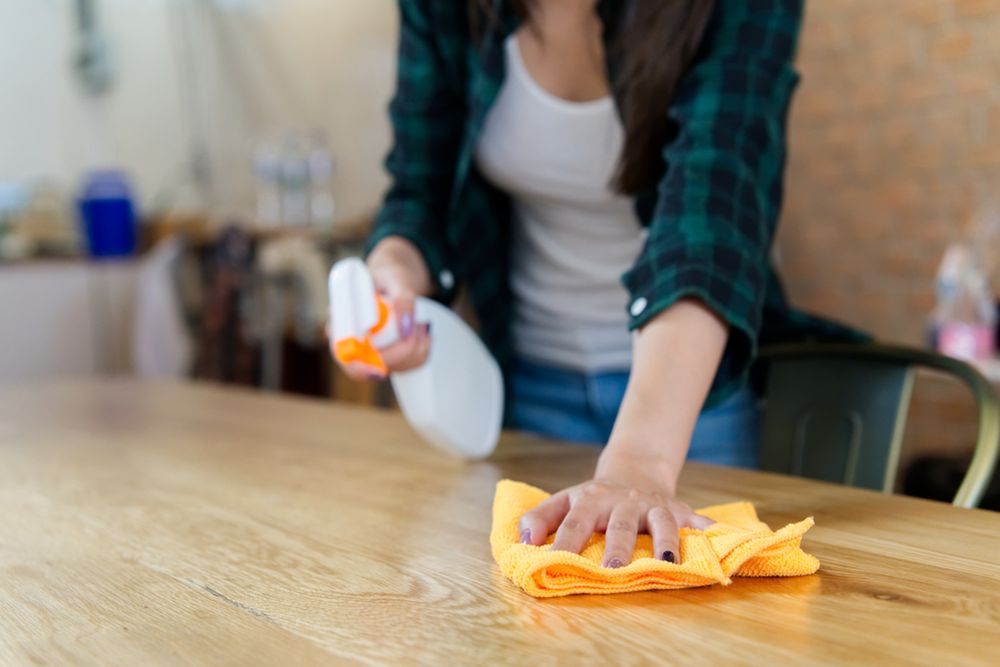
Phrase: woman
(544, 148)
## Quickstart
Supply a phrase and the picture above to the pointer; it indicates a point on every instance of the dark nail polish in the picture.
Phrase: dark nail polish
(615, 563)
(525, 536)
(427, 328)
(669, 556)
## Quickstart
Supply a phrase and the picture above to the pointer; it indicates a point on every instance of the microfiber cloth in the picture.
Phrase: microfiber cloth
(738, 544)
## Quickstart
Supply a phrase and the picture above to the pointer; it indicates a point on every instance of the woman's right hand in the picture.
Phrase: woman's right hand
(400, 276)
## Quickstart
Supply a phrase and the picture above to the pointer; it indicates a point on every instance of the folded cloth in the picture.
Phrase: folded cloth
(738, 544)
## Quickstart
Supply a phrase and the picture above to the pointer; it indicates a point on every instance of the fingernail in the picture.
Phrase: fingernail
(668, 556)
(377, 377)
(427, 328)
(525, 536)
(406, 325)
(615, 563)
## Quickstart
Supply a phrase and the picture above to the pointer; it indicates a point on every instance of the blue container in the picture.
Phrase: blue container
(108, 214)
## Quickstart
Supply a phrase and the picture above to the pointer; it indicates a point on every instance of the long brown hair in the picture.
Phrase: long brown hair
(655, 44)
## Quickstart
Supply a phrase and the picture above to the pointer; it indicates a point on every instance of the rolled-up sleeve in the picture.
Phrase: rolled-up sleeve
(718, 203)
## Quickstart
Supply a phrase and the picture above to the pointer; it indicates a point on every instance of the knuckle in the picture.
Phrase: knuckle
(634, 495)
(600, 489)
(621, 526)
(571, 524)
(399, 358)
(660, 515)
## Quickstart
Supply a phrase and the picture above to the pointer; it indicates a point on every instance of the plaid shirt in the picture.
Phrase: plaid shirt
(710, 220)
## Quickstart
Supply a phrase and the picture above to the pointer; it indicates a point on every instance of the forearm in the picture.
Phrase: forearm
(675, 358)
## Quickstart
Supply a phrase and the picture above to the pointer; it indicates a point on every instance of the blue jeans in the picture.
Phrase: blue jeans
(579, 407)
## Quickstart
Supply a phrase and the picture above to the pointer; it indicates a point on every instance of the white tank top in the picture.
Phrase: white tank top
(573, 235)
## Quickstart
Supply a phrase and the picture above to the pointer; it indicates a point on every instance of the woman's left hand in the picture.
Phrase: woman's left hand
(626, 497)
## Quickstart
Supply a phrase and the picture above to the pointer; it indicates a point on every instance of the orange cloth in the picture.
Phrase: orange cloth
(738, 544)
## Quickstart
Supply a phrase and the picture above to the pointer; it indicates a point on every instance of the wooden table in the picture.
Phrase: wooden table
(171, 524)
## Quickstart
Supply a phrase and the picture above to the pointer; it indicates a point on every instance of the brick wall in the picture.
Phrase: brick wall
(895, 148)
(895, 151)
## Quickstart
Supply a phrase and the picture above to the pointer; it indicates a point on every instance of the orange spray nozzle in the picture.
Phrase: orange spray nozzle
(383, 315)
(356, 350)
(361, 350)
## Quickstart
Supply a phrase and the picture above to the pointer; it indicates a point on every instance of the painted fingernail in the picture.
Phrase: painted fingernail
(427, 328)
(525, 536)
(669, 556)
(406, 325)
(615, 563)
(376, 377)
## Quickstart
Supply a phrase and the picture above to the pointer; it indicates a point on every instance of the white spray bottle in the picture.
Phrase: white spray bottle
(455, 400)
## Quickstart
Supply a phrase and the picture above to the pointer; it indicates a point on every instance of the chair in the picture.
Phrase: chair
(837, 413)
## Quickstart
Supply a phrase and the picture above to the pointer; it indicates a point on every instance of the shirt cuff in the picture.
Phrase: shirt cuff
(737, 300)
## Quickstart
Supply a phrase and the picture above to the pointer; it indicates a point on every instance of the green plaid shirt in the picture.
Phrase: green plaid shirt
(710, 220)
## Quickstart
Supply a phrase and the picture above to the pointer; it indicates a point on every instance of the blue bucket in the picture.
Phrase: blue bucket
(108, 214)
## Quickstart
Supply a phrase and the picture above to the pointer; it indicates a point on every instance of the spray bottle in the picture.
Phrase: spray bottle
(455, 399)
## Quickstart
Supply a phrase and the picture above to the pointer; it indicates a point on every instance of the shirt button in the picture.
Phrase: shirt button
(638, 306)
(447, 279)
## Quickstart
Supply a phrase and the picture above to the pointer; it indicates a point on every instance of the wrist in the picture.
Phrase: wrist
(644, 470)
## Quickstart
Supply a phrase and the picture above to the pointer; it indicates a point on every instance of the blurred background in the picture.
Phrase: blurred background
(176, 176)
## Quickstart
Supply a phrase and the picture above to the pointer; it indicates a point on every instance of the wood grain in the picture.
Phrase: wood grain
(177, 524)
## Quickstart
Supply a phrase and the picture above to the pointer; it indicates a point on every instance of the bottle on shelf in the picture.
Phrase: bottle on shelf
(965, 320)
(321, 168)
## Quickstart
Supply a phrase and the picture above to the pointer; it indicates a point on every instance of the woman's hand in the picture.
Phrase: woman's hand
(675, 356)
(400, 274)
(627, 496)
